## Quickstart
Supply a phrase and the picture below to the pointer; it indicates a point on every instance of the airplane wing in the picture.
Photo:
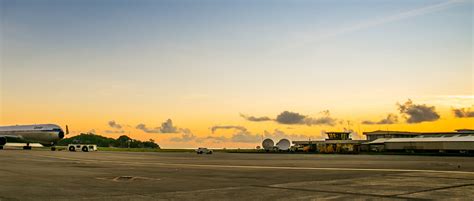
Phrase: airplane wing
(11, 136)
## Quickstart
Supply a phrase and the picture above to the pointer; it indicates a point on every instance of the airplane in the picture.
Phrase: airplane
(45, 134)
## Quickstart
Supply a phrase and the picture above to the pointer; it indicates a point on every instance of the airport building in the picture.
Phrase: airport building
(337, 142)
(371, 136)
(459, 141)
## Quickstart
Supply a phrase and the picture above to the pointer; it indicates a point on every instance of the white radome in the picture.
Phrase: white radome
(268, 144)
(283, 144)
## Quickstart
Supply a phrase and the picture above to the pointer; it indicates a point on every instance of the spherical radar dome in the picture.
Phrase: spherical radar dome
(283, 144)
(268, 144)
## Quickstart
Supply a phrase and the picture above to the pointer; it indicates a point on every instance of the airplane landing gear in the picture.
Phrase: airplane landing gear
(27, 147)
(53, 146)
(3, 141)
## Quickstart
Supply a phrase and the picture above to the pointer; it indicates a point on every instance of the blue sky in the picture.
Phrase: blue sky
(186, 58)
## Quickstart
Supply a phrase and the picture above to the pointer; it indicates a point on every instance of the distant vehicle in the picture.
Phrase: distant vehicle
(82, 147)
(202, 150)
(45, 134)
(297, 149)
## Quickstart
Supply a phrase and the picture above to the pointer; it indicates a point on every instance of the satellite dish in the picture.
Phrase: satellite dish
(283, 144)
(267, 144)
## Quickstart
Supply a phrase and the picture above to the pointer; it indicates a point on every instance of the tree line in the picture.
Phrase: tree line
(101, 141)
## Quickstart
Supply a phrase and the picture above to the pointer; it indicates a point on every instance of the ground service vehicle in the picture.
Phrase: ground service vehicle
(82, 147)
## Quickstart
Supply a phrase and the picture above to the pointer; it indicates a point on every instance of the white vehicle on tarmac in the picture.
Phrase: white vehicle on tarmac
(202, 150)
(82, 147)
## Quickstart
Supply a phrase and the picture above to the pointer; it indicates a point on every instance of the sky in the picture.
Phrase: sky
(220, 74)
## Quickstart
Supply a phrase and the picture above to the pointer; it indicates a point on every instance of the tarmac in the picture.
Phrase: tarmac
(62, 175)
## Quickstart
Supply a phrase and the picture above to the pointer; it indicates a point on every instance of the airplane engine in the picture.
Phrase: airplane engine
(3, 141)
(61, 135)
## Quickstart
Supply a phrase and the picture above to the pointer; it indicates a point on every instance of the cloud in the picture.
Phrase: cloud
(414, 113)
(287, 117)
(257, 119)
(294, 118)
(390, 119)
(322, 35)
(278, 134)
(114, 131)
(186, 136)
(115, 125)
(320, 121)
(215, 128)
(166, 127)
(463, 112)
(245, 136)
(145, 129)
(241, 135)
(117, 128)
(325, 120)
(215, 139)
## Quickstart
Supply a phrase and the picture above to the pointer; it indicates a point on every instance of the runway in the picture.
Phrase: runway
(46, 175)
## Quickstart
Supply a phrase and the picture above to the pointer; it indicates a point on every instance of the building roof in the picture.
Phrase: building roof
(464, 130)
(344, 141)
(308, 142)
(444, 138)
(344, 132)
(378, 141)
(330, 142)
(381, 132)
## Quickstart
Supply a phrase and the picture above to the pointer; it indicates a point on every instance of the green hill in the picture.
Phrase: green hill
(101, 141)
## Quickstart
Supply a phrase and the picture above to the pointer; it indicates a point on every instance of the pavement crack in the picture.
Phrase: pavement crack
(433, 189)
(8, 199)
(422, 176)
(336, 192)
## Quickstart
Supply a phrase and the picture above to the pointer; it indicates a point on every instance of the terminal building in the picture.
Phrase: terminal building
(371, 136)
(337, 142)
(459, 141)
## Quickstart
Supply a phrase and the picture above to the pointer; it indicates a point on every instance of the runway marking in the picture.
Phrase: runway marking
(127, 178)
(262, 167)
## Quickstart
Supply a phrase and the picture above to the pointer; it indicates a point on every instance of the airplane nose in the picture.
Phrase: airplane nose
(61, 134)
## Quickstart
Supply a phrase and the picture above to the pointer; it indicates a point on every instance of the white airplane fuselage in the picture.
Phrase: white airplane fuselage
(45, 134)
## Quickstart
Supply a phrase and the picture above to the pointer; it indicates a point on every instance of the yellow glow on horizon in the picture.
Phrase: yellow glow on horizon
(95, 117)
